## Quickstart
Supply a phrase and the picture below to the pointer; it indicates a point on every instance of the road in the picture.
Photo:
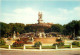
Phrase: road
(66, 52)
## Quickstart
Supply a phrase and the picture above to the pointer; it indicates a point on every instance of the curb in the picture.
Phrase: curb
(41, 49)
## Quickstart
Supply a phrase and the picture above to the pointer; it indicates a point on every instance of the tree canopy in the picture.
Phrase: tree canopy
(71, 28)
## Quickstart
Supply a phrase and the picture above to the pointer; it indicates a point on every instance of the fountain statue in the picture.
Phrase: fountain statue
(14, 35)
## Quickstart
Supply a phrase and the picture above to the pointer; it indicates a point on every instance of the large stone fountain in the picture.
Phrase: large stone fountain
(40, 26)
(39, 34)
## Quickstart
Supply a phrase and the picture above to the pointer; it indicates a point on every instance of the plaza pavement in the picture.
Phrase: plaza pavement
(66, 51)
(15, 52)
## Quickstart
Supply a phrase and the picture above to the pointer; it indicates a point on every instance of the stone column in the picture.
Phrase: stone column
(9, 46)
(56, 47)
(40, 47)
(71, 46)
(24, 47)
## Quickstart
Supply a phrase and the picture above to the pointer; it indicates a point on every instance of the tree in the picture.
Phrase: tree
(55, 28)
(79, 28)
(18, 27)
(5, 29)
(28, 28)
(8, 29)
(72, 28)
(64, 31)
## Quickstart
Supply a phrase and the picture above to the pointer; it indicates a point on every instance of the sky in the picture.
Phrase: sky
(26, 11)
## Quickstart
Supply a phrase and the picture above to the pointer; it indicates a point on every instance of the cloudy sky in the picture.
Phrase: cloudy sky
(17, 11)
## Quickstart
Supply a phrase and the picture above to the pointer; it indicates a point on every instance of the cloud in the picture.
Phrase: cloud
(77, 11)
(25, 15)
(29, 15)
(25, 10)
(64, 16)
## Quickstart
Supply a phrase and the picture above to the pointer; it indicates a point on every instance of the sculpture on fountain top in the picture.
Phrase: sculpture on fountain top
(40, 18)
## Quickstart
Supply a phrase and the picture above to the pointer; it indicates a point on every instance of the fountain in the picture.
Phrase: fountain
(40, 26)
(39, 34)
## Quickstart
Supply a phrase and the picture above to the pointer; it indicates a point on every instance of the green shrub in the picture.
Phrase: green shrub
(58, 40)
(37, 44)
(2, 42)
(55, 44)
(74, 43)
(78, 44)
(59, 44)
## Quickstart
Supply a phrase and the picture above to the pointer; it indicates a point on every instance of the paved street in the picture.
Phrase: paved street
(12, 52)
